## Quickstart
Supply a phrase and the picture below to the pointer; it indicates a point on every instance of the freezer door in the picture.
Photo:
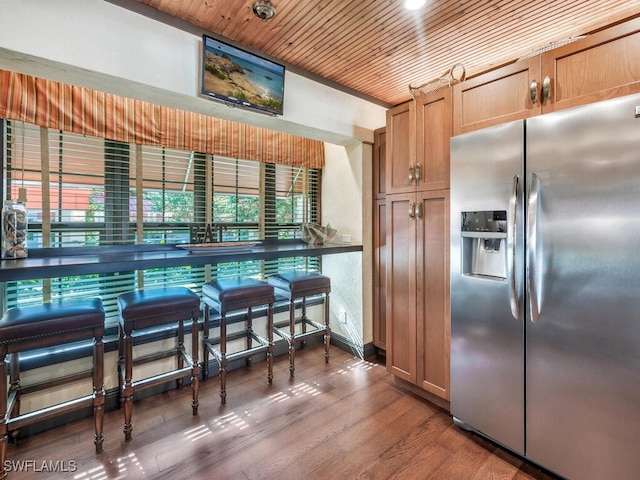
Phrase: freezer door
(487, 344)
(583, 329)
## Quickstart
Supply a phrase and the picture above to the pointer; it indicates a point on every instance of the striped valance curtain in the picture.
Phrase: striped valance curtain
(87, 112)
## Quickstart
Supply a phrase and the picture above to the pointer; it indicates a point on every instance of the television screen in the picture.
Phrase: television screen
(241, 78)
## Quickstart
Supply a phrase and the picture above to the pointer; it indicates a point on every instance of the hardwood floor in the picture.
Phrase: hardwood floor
(347, 420)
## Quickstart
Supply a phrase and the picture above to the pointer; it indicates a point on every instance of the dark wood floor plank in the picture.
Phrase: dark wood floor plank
(345, 420)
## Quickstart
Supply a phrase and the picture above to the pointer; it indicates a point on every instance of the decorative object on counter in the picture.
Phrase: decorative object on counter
(455, 74)
(221, 247)
(316, 234)
(207, 233)
(14, 230)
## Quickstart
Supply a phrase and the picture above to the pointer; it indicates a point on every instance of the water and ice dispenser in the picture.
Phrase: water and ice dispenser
(484, 244)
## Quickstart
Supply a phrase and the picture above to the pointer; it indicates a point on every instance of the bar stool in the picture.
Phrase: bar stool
(152, 308)
(42, 326)
(294, 285)
(226, 296)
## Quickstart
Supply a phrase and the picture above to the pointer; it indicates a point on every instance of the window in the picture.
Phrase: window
(85, 191)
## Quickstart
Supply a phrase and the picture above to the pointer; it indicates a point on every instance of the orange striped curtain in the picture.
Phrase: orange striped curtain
(88, 112)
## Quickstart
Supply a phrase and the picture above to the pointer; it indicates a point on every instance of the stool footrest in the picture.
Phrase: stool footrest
(35, 387)
(152, 357)
(162, 378)
(263, 346)
(318, 329)
(48, 412)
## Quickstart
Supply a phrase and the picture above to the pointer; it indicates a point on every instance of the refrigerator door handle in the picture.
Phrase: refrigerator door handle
(532, 245)
(511, 248)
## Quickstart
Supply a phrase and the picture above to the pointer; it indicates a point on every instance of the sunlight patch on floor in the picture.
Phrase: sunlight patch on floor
(231, 419)
(127, 467)
(197, 433)
(295, 391)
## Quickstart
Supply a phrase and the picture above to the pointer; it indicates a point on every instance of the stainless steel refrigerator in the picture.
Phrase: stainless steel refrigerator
(545, 288)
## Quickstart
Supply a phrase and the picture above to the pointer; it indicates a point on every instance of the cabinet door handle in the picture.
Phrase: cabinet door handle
(419, 210)
(546, 89)
(412, 210)
(410, 173)
(418, 171)
(533, 92)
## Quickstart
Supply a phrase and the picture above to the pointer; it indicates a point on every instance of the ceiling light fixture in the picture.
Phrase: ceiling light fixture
(414, 4)
(264, 10)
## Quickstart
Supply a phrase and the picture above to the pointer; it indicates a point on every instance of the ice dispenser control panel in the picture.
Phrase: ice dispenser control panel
(484, 235)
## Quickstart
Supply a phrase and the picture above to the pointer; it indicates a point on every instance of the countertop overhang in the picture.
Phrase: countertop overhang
(62, 262)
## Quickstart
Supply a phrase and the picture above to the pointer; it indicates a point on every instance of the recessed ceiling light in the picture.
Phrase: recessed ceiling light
(414, 4)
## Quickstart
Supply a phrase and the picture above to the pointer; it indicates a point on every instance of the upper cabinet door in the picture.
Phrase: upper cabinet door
(433, 133)
(603, 65)
(499, 96)
(401, 150)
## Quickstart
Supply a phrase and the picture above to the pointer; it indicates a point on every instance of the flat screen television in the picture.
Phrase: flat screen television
(238, 77)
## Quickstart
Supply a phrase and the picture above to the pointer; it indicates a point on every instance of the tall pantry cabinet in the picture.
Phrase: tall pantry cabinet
(417, 241)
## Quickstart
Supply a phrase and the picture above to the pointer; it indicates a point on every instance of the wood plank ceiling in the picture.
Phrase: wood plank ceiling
(378, 48)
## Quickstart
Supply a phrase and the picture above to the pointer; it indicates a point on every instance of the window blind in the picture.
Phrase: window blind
(87, 191)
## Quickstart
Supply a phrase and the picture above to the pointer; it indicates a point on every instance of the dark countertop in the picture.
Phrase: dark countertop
(62, 262)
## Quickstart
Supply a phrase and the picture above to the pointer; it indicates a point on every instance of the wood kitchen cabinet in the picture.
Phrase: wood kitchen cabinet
(417, 242)
(379, 241)
(602, 65)
(418, 317)
(418, 134)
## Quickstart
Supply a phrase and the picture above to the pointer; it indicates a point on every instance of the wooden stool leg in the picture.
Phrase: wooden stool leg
(303, 321)
(98, 391)
(121, 373)
(249, 360)
(195, 369)
(270, 340)
(205, 339)
(4, 431)
(14, 379)
(292, 334)
(127, 392)
(180, 348)
(223, 358)
(327, 331)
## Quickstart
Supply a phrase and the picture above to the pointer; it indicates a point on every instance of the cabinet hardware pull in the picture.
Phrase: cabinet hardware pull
(546, 89)
(533, 92)
(418, 171)
(419, 210)
(410, 173)
(412, 210)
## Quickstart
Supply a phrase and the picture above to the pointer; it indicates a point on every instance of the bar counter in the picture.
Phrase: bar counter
(63, 262)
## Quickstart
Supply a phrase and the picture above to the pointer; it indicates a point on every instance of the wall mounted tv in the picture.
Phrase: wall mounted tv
(238, 77)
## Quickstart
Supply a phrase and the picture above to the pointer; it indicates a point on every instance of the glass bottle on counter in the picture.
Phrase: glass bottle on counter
(14, 230)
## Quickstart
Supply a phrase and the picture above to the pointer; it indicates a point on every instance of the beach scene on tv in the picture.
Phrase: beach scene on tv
(241, 76)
